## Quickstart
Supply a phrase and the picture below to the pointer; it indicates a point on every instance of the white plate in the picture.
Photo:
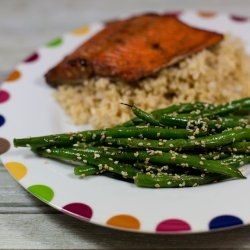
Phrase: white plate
(30, 110)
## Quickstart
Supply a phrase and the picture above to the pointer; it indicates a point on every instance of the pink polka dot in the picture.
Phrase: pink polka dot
(173, 13)
(32, 58)
(237, 18)
(4, 96)
(79, 209)
(173, 225)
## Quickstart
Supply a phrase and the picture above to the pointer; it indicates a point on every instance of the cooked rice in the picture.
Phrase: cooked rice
(215, 76)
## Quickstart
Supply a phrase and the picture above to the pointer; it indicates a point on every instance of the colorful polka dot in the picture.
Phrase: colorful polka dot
(2, 120)
(55, 43)
(32, 58)
(4, 145)
(4, 96)
(124, 221)
(43, 192)
(206, 14)
(17, 169)
(79, 209)
(239, 18)
(224, 221)
(81, 31)
(15, 75)
(173, 13)
(173, 225)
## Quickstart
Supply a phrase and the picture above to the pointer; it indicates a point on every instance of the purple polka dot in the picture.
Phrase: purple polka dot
(173, 225)
(79, 209)
(172, 13)
(4, 96)
(224, 221)
(2, 120)
(32, 58)
(239, 18)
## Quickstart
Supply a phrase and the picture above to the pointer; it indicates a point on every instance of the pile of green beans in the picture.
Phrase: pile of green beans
(184, 145)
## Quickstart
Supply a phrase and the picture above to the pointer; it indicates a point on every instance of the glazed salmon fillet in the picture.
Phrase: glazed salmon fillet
(132, 49)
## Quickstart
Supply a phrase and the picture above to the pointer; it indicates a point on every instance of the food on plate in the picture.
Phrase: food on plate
(131, 49)
(188, 144)
(151, 61)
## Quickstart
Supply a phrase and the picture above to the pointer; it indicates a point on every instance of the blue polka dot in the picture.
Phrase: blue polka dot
(224, 221)
(2, 120)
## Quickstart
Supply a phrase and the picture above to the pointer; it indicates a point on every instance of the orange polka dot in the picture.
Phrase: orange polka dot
(18, 170)
(206, 14)
(124, 221)
(15, 75)
(81, 31)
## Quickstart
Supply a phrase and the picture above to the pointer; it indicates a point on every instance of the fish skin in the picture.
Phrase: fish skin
(132, 49)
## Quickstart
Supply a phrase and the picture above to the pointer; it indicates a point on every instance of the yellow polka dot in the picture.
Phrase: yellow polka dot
(81, 31)
(15, 75)
(124, 221)
(17, 169)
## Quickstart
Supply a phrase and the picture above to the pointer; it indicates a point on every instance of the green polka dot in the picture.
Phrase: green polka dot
(56, 42)
(42, 192)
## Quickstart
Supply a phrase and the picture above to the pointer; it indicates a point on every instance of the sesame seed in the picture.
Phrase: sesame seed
(79, 157)
(96, 155)
(136, 154)
(140, 144)
(102, 137)
(157, 185)
(141, 135)
(48, 150)
(124, 174)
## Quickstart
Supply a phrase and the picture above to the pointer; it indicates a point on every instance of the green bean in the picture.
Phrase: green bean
(226, 108)
(70, 139)
(211, 141)
(236, 160)
(85, 170)
(161, 169)
(160, 158)
(238, 147)
(147, 117)
(204, 124)
(214, 155)
(104, 164)
(178, 108)
(169, 181)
